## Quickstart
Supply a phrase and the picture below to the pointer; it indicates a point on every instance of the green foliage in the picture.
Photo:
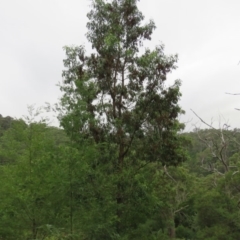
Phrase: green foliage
(215, 203)
(115, 100)
(53, 187)
(120, 169)
(30, 190)
(5, 123)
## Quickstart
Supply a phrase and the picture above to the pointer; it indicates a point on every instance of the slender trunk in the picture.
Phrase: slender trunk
(119, 197)
(171, 226)
(171, 232)
(120, 188)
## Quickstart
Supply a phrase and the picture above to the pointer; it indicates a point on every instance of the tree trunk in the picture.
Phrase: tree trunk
(119, 197)
(171, 227)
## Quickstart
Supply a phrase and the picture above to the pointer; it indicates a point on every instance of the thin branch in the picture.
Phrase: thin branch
(223, 149)
(202, 120)
(233, 93)
(180, 209)
(216, 171)
(165, 170)
(235, 173)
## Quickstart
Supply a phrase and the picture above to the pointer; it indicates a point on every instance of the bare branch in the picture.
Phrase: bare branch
(180, 209)
(235, 173)
(202, 120)
(233, 93)
(165, 170)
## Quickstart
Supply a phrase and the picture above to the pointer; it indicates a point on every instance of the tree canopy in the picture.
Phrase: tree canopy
(116, 98)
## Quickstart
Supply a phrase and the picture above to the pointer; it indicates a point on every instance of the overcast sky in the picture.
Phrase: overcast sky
(204, 33)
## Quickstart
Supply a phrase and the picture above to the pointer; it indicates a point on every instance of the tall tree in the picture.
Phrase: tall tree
(116, 97)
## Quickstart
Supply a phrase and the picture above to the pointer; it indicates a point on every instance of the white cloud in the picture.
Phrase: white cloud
(204, 33)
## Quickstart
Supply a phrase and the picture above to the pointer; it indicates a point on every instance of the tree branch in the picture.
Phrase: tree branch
(202, 120)
(180, 209)
(165, 170)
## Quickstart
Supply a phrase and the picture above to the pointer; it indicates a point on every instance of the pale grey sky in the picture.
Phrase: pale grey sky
(204, 33)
